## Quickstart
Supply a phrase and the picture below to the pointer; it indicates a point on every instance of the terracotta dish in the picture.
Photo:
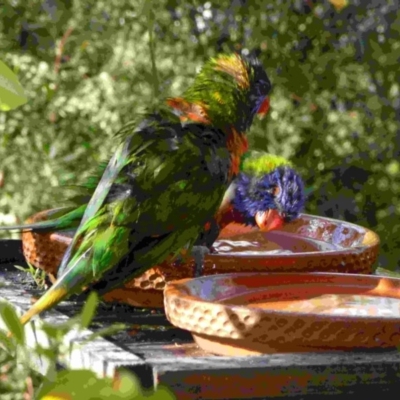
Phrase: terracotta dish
(308, 244)
(248, 313)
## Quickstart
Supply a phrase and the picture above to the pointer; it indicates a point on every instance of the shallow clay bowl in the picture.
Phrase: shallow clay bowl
(308, 244)
(248, 313)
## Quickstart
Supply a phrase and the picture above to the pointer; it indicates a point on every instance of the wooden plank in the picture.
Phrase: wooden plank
(99, 355)
(193, 374)
(276, 375)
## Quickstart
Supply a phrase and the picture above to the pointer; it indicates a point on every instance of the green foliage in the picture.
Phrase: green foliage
(89, 310)
(88, 67)
(12, 323)
(19, 382)
(84, 384)
(11, 92)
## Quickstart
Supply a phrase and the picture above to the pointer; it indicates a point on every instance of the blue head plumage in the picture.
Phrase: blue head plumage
(280, 191)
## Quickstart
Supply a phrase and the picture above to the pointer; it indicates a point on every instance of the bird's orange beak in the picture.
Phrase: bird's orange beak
(268, 220)
(264, 108)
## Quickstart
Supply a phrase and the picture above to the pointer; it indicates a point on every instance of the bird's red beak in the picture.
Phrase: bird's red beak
(268, 220)
(264, 108)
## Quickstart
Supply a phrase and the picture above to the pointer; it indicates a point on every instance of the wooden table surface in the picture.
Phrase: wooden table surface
(162, 354)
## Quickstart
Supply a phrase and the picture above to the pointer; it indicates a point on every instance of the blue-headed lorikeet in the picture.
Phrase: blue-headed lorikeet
(267, 192)
(164, 182)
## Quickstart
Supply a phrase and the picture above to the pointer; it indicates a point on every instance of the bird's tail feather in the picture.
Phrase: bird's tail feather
(50, 298)
(69, 219)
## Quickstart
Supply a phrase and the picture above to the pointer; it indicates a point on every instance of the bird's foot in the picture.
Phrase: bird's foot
(199, 253)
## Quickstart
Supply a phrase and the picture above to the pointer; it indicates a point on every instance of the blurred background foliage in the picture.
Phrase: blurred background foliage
(87, 68)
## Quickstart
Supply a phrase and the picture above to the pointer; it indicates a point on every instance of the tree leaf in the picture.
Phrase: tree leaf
(89, 310)
(126, 385)
(6, 342)
(73, 384)
(12, 322)
(11, 92)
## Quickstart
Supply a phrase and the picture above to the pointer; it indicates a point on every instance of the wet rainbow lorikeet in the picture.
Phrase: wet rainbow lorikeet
(165, 181)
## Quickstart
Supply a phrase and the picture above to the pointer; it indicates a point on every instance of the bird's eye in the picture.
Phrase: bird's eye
(276, 191)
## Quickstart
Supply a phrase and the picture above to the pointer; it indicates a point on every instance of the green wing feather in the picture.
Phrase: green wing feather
(117, 162)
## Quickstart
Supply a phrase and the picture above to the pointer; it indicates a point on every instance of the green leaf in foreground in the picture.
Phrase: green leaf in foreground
(11, 92)
(89, 310)
(11, 320)
(84, 384)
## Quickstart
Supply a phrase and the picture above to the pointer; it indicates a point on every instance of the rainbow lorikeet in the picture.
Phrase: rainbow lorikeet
(267, 192)
(164, 182)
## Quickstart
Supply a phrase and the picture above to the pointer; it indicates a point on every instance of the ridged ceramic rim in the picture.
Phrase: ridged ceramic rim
(370, 239)
(181, 289)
